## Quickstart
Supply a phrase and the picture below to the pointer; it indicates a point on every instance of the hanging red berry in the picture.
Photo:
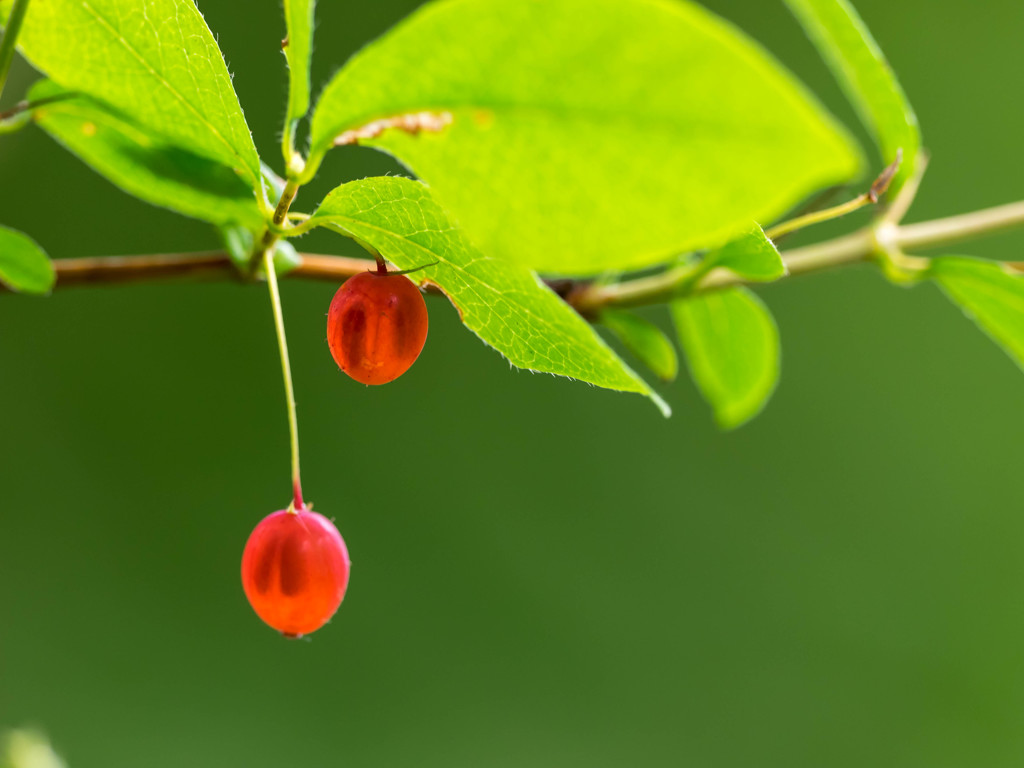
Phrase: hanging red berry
(376, 326)
(295, 570)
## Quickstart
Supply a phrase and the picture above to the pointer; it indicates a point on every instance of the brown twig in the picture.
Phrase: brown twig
(585, 296)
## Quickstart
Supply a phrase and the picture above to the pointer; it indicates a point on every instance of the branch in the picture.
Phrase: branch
(861, 245)
(208, 265)
(587, 297)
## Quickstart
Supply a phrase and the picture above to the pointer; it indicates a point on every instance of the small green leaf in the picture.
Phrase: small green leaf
(298, 49)
(24, 266)
(587, 135)
(145, 165)
(502, 303)
(990, 294)
(859, 65)
(286, 258)
(752, 256)
(731, 344)
(645, 340)
(238, 242)
(153, 60)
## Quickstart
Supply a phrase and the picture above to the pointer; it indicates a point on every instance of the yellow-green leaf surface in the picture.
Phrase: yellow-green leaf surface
(731, 344)
(859, 65)
(144, 164)
(588, 135)
(153, 60)
(24, 266)
(299, 49)
(989, 294)
(645, 340)
(502, 303)
(751, 256)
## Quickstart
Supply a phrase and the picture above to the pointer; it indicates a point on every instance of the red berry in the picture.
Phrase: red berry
(376, 326)
(295, 571)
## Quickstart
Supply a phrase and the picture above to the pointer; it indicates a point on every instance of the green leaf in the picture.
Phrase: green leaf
(731, 344)
(238, 243)
(859, 65)
(502, 303)
(989, 294)
(143, 164)
(24, 266)
(153, 60)
(645, 340)
(752, 256)
(299, 49)
(587, 135)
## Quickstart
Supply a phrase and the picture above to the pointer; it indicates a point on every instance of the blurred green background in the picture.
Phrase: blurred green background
(545, 574)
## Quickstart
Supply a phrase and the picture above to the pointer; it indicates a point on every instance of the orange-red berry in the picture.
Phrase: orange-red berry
(376, 326)
(295, 570)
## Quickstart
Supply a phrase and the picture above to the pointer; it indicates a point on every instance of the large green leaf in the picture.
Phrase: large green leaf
(859, 65)
(502, 303)
(989, 294)
(298, 50)
(645, 340)
(731, 344)
(24, 266)
(154, 60)
(145, 165)
(588, 135)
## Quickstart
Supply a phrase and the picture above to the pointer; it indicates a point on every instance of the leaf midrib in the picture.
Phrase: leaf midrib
(644, 121)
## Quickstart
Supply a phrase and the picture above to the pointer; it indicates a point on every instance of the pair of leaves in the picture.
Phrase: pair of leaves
(729, 337)
(153, 108)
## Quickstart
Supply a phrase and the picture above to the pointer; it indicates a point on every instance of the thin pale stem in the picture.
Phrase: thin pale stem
(286, 369)
(271, 234)
(963, 227)
(906, 197)
(288, 143)
(10, 39)
(818, 217)
(872, 196)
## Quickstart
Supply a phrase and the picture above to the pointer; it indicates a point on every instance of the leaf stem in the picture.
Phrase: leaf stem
(273, 231)
(10, 38)
(286, 369)
(818, 217)
(871, 197)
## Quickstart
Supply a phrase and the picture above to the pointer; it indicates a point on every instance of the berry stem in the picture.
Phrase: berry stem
(286, 369)
(872, 196)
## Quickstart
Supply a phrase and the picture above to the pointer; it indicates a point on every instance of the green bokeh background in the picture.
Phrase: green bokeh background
(545, 574)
